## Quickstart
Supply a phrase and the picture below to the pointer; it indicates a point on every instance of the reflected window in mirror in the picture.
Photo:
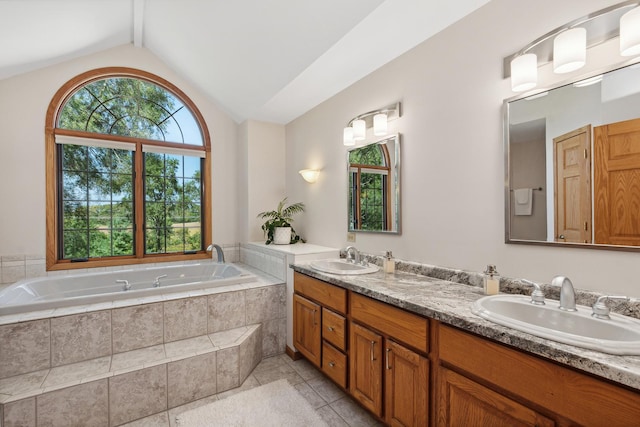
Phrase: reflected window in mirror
(374, 187)
(580, 145)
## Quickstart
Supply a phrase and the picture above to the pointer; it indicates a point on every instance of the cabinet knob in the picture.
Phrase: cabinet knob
(332, 364)
(330, 328)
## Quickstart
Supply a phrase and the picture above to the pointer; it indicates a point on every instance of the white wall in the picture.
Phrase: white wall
(23, 104)
(262, 172)
(451, 88)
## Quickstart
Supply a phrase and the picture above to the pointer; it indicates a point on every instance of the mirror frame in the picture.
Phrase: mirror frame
(507, 165)
(396, 191)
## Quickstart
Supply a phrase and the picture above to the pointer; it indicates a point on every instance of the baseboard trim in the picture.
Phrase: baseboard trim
(294, 355)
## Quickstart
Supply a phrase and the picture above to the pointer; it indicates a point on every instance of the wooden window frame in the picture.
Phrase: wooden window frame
(358, 171)
(52, 238)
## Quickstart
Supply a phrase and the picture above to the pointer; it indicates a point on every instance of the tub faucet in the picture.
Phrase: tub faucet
(156, 282)
(219, 252)
(352, 254)
(126, 286)
(567, 293)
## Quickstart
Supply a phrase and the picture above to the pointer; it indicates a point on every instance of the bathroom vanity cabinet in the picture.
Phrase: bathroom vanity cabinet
(388, 365)
(319, 325)
(384, 354)
(413, 371)
(491, 384)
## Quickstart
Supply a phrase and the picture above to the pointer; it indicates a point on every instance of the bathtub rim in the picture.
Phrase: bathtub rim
(251, 278)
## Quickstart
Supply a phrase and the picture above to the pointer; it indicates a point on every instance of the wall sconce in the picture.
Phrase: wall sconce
(356, 129)
(567, 45)
(310, 175)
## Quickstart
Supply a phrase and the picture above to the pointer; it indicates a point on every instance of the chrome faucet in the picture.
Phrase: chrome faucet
(352, 254)
(537, 296)
(600, 308)
(156, 282)
(219, 252)
(126, 286)
(567, 293)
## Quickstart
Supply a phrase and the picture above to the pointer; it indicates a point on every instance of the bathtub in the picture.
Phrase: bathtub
(83, 289)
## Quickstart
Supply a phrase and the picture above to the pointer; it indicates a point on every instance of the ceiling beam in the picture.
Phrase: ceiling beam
(138, 21)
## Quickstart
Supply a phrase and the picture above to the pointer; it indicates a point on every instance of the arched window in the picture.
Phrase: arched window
(128, 171)
(369, 193)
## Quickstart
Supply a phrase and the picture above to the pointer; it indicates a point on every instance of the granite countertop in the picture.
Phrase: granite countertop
(450, 303)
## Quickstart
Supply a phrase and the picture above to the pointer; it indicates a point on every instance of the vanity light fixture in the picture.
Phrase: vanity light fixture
(524, 72)
(310, 175)
(347, 137)
(566, 45)
(356, 129)
(380, 124)
(630, 33)
(359, 129)
(570, 50)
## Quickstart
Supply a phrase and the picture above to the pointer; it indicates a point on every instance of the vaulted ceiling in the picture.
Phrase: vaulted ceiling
(269, 60)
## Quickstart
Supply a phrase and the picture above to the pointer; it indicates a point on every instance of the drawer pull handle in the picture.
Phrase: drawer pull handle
(330, 328)
(373, 344)
(388, 367)
(332, 364)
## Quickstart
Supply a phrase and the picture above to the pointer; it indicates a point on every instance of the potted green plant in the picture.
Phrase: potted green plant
(277, 228)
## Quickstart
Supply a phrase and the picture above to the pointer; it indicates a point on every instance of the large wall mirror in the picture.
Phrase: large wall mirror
(573, 164)
(374, 186)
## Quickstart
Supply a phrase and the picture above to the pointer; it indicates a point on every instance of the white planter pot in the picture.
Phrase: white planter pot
(282, 235)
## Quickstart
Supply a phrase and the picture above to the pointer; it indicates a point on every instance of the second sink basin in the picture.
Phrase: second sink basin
(620, 335)
(339, 266)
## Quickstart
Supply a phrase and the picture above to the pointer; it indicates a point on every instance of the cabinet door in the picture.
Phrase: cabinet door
(406, 386)
(306, 328)
(365, 367)
(465, 402)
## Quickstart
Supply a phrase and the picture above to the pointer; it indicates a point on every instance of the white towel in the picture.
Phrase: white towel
(524, 200)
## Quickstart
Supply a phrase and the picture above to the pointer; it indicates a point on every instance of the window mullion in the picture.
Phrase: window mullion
(138, 204)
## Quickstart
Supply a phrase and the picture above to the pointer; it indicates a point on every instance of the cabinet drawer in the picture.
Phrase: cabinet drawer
(333, 329)
(334, 364)
(324, 293)
(406, 327)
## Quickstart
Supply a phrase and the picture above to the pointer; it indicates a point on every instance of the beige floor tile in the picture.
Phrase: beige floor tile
(310, 395)
(353, 414)
(174, 412)
(331, 417)
(305, 369)
(284, 371)
(326, 389)
(249, 383)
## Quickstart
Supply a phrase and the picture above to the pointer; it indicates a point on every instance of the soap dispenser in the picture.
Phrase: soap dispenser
(491, 280)
(389, 264)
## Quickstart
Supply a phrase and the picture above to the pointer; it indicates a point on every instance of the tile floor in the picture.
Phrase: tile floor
(333, 405)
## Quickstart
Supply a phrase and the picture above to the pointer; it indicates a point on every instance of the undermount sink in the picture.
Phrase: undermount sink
(619, 335)
(340, 266)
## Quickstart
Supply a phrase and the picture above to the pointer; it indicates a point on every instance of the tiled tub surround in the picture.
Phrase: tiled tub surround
(167, 349)
(447, 295)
